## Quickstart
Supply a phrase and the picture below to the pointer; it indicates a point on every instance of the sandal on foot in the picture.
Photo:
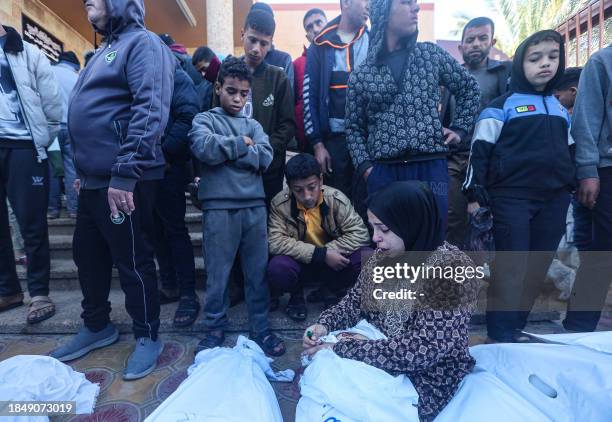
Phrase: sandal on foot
(270, 343)
(212, 339)
(297, 312)
(187, 311)
(41, 308)
(10, 302)
(165, 299)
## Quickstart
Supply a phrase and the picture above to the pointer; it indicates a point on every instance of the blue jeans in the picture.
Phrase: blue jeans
(55, 189)
(595, 272)
(432, 172)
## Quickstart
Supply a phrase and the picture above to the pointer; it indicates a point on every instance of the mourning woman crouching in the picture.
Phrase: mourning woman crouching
(427, 334)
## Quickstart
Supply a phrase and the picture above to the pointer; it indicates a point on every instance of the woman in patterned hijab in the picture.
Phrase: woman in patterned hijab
(427, 336)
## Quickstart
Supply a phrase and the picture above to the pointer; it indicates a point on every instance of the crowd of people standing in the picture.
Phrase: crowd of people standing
(390, 132)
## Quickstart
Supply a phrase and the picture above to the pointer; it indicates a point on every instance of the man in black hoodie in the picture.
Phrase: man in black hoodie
(116, 119)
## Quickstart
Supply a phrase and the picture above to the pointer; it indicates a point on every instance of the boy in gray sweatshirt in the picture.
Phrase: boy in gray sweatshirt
(234, 152)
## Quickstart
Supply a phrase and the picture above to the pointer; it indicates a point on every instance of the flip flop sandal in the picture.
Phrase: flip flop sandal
(297, 312)
(269, 342)
(187, 312)
(41, 308)
(212, 339)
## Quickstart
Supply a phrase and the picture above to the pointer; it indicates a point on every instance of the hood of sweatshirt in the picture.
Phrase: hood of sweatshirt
(329, 35)
(519, 82)
(124, 14)
(379, 16)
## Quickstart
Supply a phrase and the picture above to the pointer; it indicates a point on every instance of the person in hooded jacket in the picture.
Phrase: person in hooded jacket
(393, 126)
(173, 248)
(30, 115)
(426, 334)
(337, 51)
(116, 119)
(521, 166)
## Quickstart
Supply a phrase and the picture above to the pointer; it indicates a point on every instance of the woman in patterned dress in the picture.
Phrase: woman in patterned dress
(427, 338)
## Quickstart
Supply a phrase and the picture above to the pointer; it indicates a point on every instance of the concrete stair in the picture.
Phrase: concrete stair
(61, 245)
(64, 226)
(64, 275)
(65, 291)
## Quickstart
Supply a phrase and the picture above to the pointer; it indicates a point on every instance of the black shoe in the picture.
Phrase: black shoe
(212, 339)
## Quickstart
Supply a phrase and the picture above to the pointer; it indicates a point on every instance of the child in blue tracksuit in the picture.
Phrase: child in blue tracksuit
(521, 166)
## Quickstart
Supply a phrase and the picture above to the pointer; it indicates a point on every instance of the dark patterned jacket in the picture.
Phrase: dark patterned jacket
(386, 120)
(428, 343)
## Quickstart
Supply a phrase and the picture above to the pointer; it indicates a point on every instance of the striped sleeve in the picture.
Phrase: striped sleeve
(486, 134)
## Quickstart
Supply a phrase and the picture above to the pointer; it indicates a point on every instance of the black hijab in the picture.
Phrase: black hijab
(410, 211)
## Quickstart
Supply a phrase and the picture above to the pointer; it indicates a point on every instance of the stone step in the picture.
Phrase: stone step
(65, 225)
(68, 303)
(61, 245)
(64, 275)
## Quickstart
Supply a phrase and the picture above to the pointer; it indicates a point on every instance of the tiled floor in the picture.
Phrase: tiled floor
(121, 401)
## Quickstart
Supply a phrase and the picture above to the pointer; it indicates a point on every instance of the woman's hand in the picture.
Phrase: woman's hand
(312, 335)
(311, 351)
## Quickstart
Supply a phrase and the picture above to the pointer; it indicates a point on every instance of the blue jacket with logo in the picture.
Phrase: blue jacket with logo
(121, 102)
(521, 142)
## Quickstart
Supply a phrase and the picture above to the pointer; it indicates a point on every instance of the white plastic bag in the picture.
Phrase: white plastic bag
(43, 378)
(226, 385)
(352, 391)
(565, 383)
(482, 397)
(600, 341)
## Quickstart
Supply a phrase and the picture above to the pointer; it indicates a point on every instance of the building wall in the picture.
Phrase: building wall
(10, 14)
(427, 22)
(290, 35)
